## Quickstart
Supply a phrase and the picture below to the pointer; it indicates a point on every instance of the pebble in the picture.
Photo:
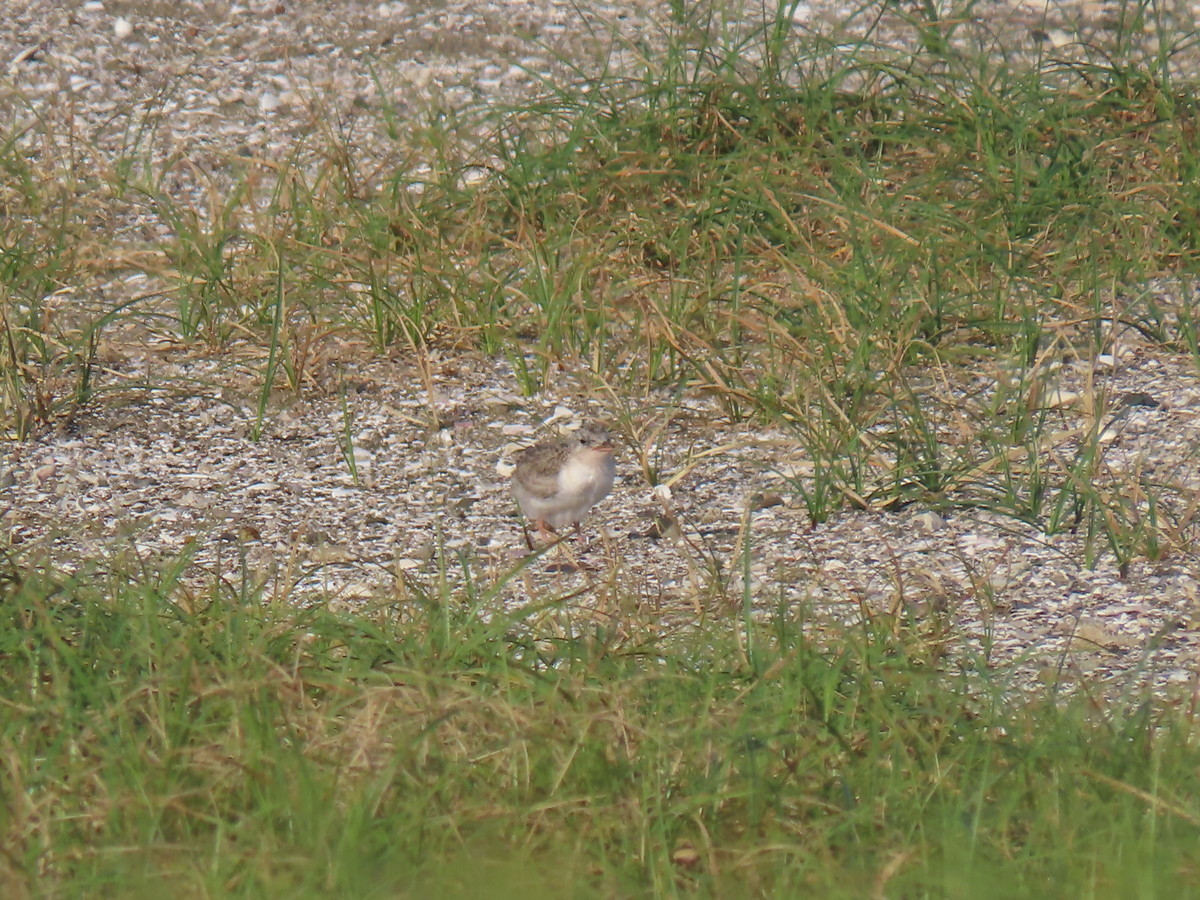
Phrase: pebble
(928, 522)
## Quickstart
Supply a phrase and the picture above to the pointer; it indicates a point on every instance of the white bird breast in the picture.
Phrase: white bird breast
(588, 475)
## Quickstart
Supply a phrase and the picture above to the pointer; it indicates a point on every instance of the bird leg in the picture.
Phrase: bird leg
(579, 538)
(567, 560)
(545, 532)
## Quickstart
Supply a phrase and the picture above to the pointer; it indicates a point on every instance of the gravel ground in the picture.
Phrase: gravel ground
(161, 474)
(155, 473)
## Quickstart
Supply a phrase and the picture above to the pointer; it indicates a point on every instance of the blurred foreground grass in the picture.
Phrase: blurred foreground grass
(156, 734)
(890, 255)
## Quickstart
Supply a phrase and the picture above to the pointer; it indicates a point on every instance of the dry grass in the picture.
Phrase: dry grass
(242, 749)
(843, 244)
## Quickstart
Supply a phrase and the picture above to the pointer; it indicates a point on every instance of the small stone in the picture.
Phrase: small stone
(356, 590)
(801, 12)
(685, 856)
(331, 553)
(196, 500)
(1140, 398)
(929, 522)
(1089, 634)
(1058, 37)
(663, 527)
(1060, 398)
(765, 500)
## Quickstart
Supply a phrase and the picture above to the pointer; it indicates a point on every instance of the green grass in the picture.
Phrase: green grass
(159, 728)
(824, 237)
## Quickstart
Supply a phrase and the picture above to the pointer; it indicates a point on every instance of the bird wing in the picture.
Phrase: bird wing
(535, 471)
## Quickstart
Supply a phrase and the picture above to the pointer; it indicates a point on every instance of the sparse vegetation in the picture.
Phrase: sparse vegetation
(885, 253)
